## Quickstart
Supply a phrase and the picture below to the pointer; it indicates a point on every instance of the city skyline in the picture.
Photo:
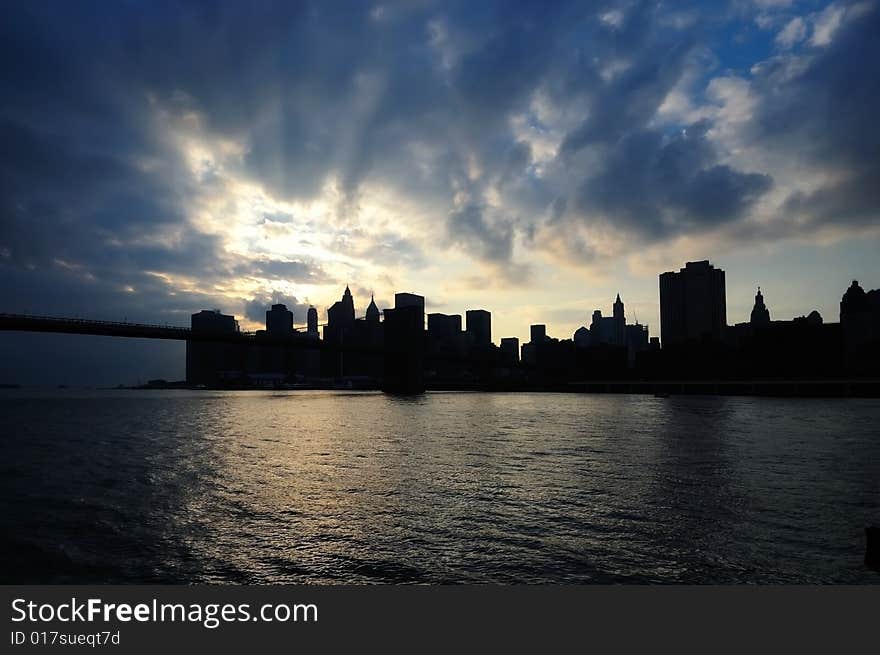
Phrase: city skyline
(532, 160)
(692, 303)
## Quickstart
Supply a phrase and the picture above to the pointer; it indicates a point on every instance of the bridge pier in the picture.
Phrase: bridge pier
(404, 371)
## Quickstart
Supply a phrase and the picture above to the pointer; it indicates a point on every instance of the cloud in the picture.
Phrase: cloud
(255, 309)
(793, 32)
(819, 110)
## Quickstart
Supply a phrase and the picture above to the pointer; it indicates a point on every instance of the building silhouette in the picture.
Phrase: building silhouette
(479, 327)
(404, 341)
(510, 351)
(860, 325)
(372, 315)
(279, 321)
(537, 335)
(212, 363)
(341, 313)
(312, 322)
(693, 305)
(760, 314)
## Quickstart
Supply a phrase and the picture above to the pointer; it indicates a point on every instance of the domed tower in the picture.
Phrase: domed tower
(760, 313)
(372, 311)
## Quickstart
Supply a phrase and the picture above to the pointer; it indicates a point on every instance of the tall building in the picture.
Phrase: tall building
(537, 333)
(213, 362)
(479, 326)
(618, 322)
(404, 340)
(341, 313)
(312, 321)
(760, 313)
(340, 317)
(602, 329)
(444, 326)
(693, 304)
(279, 321)
(510, 350)
(402, 300)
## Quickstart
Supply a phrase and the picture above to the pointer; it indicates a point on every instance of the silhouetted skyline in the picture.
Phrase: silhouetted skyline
(403, 349)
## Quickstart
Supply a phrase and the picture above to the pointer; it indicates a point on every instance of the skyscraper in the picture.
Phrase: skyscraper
(537, 333)
(342, 311)
(479, 326)
(693, 304)
(279, 321)
(618, 322)
(312, 321)
(510, 350)
(402, 300)
(444, 326)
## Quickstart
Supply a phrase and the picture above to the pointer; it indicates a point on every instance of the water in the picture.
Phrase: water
(329, 487)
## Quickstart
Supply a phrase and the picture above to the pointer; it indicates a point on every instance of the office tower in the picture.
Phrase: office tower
(618, 322)
(693, 306)
(213, 362)
(479, 326)
(402, 300)
(510, 350)
(538, 333)
(444, 326)
(312, 321)
(404, 339)
(279, 321)
(341, 313)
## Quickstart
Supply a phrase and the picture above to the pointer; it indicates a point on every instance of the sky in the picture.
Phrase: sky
(530, 158)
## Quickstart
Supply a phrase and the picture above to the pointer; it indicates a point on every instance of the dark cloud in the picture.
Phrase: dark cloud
(299, 272)
(256, 308)
(659, 185)
(470, 229)
(820, 108)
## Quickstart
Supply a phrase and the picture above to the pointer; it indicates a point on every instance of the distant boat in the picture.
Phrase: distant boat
(661, 394)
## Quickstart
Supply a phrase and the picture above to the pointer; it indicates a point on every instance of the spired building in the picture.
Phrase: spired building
(365, 335)
(693, 305)
(341, 313)
(372, 312)
(609, 330)
(613, 331)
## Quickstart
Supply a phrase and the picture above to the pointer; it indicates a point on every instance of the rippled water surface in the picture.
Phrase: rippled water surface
(329, 487)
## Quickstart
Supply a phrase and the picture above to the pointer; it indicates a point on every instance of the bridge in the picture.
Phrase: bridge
(402, 350)
(298, 340)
